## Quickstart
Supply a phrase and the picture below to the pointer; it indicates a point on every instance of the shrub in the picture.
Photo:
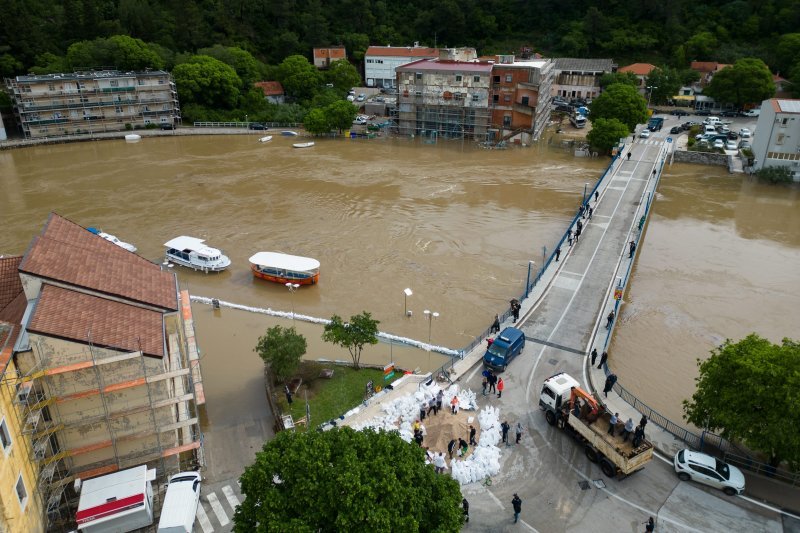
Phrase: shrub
(775, 174)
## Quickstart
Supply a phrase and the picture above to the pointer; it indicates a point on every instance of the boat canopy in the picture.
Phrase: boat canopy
(284, 261)
(192, 244)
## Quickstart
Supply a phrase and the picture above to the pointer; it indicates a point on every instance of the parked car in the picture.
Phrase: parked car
(708, 470)
(361, 97)
(729, 113)
(722, 128)
(752, 113)
(744, 145)
(257, 126)
(745, 133)
(733, 135)
(351, 97)
(719, 143)
(167, 126)
(679, 113)
(702, 113)
(644, 134)
(675, 130)
(731, 145)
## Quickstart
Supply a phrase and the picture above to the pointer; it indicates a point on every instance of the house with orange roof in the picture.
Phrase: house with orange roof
(273, 91)
(323, 57)
(381, 62)
(641, 71)
(707, 69)
(107, 373)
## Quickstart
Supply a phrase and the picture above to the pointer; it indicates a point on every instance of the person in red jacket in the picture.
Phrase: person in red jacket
(500, 386)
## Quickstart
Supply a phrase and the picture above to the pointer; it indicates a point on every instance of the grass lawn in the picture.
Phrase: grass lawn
(329, 398)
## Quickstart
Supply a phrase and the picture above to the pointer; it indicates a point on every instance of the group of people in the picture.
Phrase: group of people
(493, 383)
(505, 428)
(628, 430)
(434, 404)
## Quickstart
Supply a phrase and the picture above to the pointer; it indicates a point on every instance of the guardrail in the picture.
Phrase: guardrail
(747, 463)
(246, 125)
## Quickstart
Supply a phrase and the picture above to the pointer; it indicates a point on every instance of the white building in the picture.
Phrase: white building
(777, 139)
(380, 62)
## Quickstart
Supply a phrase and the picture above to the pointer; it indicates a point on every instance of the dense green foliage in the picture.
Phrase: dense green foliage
(345, 480)
(748, 80)
(622, 102)
(354, 335)
(606, 134)
(282, 349)
(750, 391)
(775, 174)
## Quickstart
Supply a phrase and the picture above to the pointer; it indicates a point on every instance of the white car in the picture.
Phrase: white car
(744, 133)
(351, 97)
(719, 144)
(644, 134)
(709, 471)
(361, 97)
(730, 145)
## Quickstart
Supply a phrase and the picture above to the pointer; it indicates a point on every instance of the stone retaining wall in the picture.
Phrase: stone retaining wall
(702, 158)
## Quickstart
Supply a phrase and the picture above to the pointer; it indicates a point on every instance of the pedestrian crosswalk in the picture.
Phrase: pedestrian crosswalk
(215, 512)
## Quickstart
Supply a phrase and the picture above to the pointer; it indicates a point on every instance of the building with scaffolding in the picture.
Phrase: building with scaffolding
(107, 371)
(445, 98)
(521, 97)
(20, 502)
(92, 102)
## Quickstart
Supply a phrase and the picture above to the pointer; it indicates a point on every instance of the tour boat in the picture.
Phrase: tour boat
(191, 252)
(289, 133)
(284, 268)
(303, 145)
(266, 139)
(111, 238)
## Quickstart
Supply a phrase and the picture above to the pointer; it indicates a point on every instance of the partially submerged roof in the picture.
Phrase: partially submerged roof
(108, 497)
(191, 244)
(284, 261)
(67, 253)
(89, 319)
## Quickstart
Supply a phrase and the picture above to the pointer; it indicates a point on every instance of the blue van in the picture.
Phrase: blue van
(506, 346)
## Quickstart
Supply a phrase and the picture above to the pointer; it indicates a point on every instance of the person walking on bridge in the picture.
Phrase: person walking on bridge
(629, 155)
(569, 237)
(610, 319)
(594, 355)
(632, 246)
(495, 325)
(603, 359)
(558, 253)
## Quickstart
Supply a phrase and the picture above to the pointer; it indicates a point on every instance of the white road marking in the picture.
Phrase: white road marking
(202, 517)
(218, 510)
(230, 496)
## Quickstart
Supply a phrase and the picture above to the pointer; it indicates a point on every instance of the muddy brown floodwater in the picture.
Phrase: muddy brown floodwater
(454, 223)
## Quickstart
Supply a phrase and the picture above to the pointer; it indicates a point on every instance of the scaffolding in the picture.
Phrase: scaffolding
(98, 411)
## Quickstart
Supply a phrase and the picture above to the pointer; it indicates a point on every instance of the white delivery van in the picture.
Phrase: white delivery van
(713, 121)
(180, 503)
(752, 113)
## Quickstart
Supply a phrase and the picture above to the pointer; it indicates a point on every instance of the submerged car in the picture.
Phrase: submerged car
(708, 470)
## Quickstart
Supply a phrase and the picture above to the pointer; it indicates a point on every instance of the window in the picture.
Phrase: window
(419, 75)
(22, 492)
(507, 120)
(475, 97)
(5, 436)
(114, 83)
(476, 79)
(509, 78)
(546, 391)
(495, 98)
(507, 98)
(784, 121)
(51, 86)
(779, 138)
(497, 79)
(525, 100)
(118, 109)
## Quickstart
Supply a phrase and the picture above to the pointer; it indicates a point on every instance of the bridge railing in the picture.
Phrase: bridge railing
(246, 125)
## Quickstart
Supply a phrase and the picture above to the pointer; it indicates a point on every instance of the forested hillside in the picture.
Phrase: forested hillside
(657, 31)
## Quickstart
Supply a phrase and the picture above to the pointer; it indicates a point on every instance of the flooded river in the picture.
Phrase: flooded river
(455, 224)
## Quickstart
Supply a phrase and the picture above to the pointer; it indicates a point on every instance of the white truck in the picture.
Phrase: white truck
(180, 503)
(574, 410)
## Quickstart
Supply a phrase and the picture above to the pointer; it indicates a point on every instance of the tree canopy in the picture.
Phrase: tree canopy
(207, 81)
(300, 79)
(606, 134)
(750, 392)
(345, 480)
(354, 335)
(748, 81)
(622, 102)
(282, 349)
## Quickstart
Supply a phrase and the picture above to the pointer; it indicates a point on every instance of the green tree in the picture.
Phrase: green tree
(207, 81)
(665, 83)
(341, 114)
(247, 67)
(282, 349)
(345, 480)
(606, 134)
(343, 75)
(610, 78)
(361, 330)
(750, 391)
(300, 79)
(787, 51)
(316, 121)
(120, 51)
(775, 174)
(620, 101)
(748, 81)
(9, 66)
(701, 46)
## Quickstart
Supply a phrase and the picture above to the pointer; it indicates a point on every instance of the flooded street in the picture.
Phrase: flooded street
(456, 224)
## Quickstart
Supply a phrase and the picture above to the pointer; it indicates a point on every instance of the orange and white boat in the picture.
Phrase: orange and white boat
(285, 268)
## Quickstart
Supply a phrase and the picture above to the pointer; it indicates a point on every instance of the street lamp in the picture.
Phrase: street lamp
(585, 186)
(430, 315)
(406, 294)
(528, 281)
(245, 120)
(292, 288)
(650, 94)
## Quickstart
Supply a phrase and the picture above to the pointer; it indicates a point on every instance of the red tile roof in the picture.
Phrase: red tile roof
(270, 88)
(402, 51)
(84, 318)
(333, 52)
(66, 252)
(10, 287)
(8, 336)
(640, 69)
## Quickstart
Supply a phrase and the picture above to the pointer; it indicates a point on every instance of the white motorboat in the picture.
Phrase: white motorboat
(111, 238)
(191, 252)
(303, 145)
(133, 137)
(266, 139)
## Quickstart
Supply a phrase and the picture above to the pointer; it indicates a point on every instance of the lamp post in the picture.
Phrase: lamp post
(585, 187)
(406, 294)
(430, 315)
(650, 94)
(245, 120)
(528, 281)
(292, 288)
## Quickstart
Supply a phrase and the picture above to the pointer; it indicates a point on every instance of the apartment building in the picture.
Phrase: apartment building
(776, 142)
(92, 102)
(521, 95)
(107, 374)
(381, 62)
(579, 78)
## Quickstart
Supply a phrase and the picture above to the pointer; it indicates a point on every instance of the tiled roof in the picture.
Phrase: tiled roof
(10, 284)
(68, 253)
(785, 105)
(448, 65)
(85, 318)
(401, 51)
(640, 69)
(584, 65)
(270, 88)
(331, 51)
